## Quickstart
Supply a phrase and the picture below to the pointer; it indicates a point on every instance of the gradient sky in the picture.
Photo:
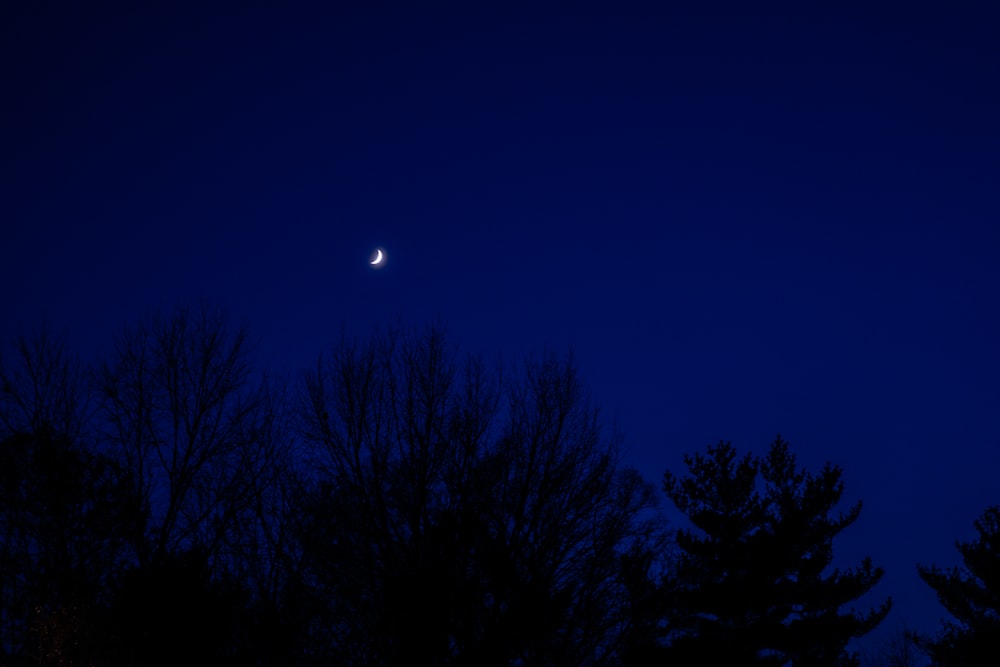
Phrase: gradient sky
(742, 223)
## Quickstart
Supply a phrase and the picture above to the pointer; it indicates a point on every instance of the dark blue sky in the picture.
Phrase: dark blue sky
(743, 223)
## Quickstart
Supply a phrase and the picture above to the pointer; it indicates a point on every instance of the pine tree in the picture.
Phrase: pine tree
(751, 586)
(972, 595)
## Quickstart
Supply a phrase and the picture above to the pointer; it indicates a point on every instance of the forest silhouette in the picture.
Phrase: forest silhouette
(403, 502)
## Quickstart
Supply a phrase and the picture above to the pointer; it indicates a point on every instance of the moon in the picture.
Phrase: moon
(378, 258)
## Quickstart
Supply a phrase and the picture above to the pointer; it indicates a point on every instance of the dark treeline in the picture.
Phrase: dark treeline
(403, 503)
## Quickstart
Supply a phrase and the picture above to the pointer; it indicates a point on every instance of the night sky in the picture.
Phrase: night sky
(741, 223)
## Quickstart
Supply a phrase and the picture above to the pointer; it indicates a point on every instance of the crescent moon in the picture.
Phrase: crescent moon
(378, 257)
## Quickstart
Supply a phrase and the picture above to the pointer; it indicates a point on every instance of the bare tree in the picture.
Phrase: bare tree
(260, 547)
(180, 411)
(461, 516)
(64, 507)
(43, 387)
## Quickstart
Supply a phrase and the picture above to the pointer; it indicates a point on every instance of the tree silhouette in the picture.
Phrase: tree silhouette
(971, 594)
(896, 650)
(43, 388)
(66, 510)
(749, 586)
(210, 451)
(461, 516)
(412, 505)
(642, 570)
(171, 609)
(181, 413)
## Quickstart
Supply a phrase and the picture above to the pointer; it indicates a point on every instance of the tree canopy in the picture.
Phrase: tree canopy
(461, 515)
(971, 594)
(407, 502)
(402, 501)
(752, 583)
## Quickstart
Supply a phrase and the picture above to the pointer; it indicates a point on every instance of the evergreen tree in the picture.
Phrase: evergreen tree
(751, 585)
(972, 595)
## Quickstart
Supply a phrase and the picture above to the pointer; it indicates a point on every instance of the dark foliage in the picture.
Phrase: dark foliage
(971, 594)
(64, 518)
(409, 506)
(461, 518)
(172, 611)
(750, 586)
